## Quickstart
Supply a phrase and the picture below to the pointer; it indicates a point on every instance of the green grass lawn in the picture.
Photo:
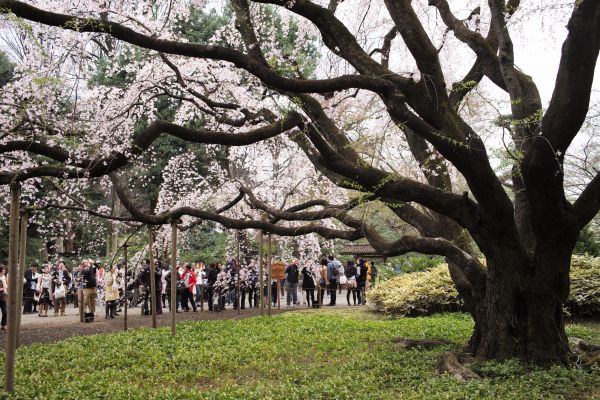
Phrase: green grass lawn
(298, 355)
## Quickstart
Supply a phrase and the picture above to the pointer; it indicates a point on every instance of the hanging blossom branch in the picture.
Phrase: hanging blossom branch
(90, 168)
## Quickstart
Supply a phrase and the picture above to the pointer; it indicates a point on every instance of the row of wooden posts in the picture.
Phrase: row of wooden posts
(17, 238)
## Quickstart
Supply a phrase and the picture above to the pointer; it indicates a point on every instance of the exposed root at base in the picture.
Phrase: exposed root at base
(584, 353)
(449, 362)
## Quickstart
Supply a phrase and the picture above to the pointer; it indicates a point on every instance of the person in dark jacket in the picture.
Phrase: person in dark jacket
(308, 285)
(350, 272)
(177, 298)
(361, 281)
(211, 278)
(144, 279)
(291, 283)
(88, 276)
(29, 288)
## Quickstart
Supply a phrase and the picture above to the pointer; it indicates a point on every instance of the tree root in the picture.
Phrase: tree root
(450, 362)
(584, 353)
(408, 343)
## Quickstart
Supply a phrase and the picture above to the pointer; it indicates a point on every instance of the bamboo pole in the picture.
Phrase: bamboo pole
(238, 267)
(21, 272)
(261, 272)
(13, 253)
(152, 273)
(173, 297)
(125, 291)
(270, 275)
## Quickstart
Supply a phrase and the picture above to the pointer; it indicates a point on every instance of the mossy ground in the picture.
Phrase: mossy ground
(335, 354)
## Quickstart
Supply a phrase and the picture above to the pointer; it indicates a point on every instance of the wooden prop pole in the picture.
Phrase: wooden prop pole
(261, 273)
(21, 272)
(270, 275)
(278, 296)
(173, 297)
(238, 267)
(13, 280)
(126, 282)
(152, 279)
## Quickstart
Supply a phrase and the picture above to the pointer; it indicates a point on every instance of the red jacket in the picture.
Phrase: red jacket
(192, 279)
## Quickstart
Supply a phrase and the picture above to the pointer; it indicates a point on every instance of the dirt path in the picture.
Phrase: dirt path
(52, 329)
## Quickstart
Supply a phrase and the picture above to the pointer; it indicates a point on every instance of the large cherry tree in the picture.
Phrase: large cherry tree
(526, 234)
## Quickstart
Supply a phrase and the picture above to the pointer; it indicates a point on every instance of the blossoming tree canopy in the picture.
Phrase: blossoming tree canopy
(416, 108)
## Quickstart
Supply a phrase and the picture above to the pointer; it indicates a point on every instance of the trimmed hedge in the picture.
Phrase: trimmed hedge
(428, 292)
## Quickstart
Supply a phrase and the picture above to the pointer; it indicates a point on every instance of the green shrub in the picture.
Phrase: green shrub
(418, 293)
(584, 297)
(428, 292)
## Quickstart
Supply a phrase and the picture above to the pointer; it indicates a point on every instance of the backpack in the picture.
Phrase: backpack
(335, 271)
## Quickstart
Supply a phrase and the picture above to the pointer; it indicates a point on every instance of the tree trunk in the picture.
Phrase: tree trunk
(521, 315)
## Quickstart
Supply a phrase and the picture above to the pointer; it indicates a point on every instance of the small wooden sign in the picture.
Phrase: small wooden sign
(278, 270)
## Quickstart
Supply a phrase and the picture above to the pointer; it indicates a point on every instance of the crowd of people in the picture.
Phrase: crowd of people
(218, 285)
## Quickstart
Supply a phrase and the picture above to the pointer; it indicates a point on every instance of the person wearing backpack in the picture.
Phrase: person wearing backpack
(333, 273)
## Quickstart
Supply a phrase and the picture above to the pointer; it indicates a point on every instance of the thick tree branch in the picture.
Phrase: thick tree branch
(588, 204)
(571, 98)
(230, 223)
(240, 60)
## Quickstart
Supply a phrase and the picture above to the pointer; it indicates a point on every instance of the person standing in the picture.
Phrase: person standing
(308, 285)
(332, 275)
(200, 275)
(3, 298)
(29, 288)
(89, 285)
(361, 281)
(60, 282)
(211, 279)
(252, 285)
(111, 292)
(350, 273)
(43, 289)
(291, 283)
(323, 280)
(189, 280)
(164, 289)
(373, 274)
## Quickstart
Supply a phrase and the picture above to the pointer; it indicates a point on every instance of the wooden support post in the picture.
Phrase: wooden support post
(270, 275)
(319, 300)
(21, 272)
(278, 296)
(238, 267)
(173, 297)
(13, 280)
(152, 279)
(126, 281)
(80, 301)
(202, 291)
(261, 273)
